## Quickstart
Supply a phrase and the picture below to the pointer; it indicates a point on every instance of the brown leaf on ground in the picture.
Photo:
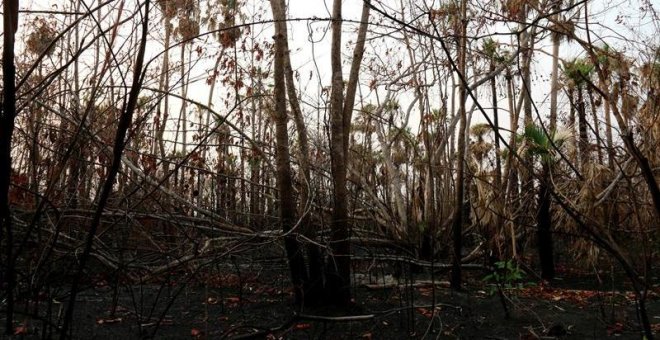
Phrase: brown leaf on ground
(196, 333)
(301, 326)
(425, 312)
(20, 330)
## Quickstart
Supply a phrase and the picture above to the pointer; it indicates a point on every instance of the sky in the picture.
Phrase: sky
(613, 21)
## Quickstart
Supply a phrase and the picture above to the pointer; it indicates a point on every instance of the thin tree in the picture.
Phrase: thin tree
(341, 111)
(459, 209)
(120, 143)
(287, 203)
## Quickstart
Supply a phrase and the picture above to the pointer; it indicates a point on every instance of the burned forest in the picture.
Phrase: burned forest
(307, 169)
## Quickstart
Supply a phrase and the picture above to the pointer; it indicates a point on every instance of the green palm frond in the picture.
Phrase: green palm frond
(490, 48)
(537, 136)
(536, 141)
(578, 70)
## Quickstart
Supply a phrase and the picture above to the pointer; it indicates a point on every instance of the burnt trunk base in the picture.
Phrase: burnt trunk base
(544, 232)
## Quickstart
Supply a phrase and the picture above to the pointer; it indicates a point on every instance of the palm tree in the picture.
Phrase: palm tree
(536, 143)
(490, 49)
(578, 73)
(605, 62)
(544, 202)
(650, 109)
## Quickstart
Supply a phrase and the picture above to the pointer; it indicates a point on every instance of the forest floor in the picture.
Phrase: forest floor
(255, 304)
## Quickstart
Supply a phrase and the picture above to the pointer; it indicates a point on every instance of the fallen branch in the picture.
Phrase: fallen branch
(416, 284)
(421, 263)
(348, 318)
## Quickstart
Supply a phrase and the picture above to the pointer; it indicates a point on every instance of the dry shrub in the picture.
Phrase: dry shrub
(41, 39)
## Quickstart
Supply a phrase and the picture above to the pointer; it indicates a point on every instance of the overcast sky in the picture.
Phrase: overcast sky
(613, 21)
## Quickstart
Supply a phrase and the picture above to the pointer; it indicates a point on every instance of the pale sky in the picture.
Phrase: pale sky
(310, 41)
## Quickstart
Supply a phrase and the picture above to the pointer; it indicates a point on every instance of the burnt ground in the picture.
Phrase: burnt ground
(256, 304)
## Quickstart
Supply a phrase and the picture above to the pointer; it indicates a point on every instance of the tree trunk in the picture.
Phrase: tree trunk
(583, 144)
(544, 224)
(338, 272)
(608, 130)
(312, 287)
(287, 203)
(544, 214)
(457, 226)
(596, 128)
(7, 116)
(164, 85)
(497, 205)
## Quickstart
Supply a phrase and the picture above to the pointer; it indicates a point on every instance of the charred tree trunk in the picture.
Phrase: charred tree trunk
(313, 285)
(287, 203)
(7, 116)
(338, 271)
(544, 224)
(583, 144)
(544, 239)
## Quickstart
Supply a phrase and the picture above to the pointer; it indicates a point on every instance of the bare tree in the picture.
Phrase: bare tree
(341, 110)
(7, 117)
(120, 142)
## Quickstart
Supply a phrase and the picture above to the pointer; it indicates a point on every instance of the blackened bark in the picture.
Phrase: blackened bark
(544, 223)
(313, 286)
(583, 145)
(7, 116)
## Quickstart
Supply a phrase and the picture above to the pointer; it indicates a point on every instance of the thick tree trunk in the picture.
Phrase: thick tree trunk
(7, 116)
(338, 271)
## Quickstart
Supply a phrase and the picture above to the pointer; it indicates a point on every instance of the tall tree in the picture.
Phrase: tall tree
(287, 203)
(457, 226)
(313, 287)
(578, 73)
(7, 117)
(341, 111)
(543, 216)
